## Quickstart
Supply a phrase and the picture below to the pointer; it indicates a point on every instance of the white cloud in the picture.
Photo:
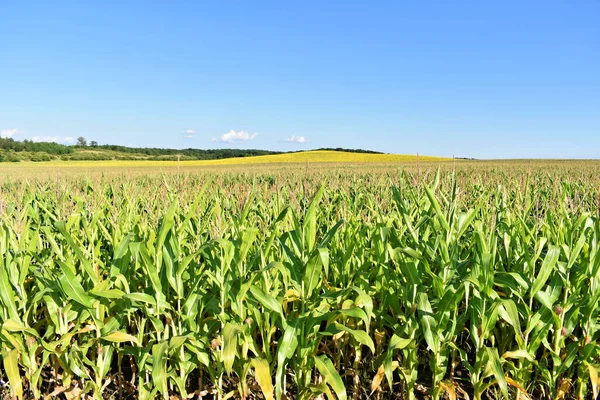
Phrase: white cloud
(189, 133)
(233, 136)
(8, 133)
(296, 139)
(55, 139)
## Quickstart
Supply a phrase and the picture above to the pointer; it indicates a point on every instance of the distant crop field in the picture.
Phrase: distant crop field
(301, 157)
(313, 160)
(281, 281)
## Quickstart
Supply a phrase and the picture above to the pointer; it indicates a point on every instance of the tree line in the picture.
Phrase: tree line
(28, 145)
(12, 150)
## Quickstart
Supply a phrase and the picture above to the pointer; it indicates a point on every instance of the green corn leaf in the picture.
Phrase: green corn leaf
(545, 270)
(286, 349)
(159, 368)
(360, 336)
(230, 343)
(12, 325)
(312, 274)
(85, 262)
(108, 293)
(73, 288)
(427, 322)
(7, 296)
(166, 225)
(266, 300)
(496, 368)
(332, 377)
(309, 226)
(141, 297)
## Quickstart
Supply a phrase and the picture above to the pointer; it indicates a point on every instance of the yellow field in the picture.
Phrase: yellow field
(320, 156)
(323, 156)
(316, 159)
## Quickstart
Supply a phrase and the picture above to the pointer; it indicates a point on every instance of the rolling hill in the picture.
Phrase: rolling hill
(315, 156)
(53, 153)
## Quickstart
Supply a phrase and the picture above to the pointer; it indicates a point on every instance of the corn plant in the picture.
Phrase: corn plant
(478, 281)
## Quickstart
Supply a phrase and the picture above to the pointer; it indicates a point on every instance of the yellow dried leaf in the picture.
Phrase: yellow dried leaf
(594, 379)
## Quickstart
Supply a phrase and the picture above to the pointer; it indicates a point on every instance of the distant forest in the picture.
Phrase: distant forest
(196, 154)
(27, 150)
(28, 145)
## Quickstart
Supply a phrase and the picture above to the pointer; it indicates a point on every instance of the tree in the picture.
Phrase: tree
(93, 143)
(81, 141)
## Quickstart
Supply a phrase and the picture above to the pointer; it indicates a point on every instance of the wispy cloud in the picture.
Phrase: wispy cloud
(296, 139)
(55, 139)
(188, 134)
(233, 136)
(8, 133)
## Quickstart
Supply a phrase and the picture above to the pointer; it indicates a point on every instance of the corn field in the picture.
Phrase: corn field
(340, 283)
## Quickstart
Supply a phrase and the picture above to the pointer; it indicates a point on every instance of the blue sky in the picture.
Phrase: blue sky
(485, 79)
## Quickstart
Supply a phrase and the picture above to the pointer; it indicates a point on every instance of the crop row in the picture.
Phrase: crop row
(336, 284)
